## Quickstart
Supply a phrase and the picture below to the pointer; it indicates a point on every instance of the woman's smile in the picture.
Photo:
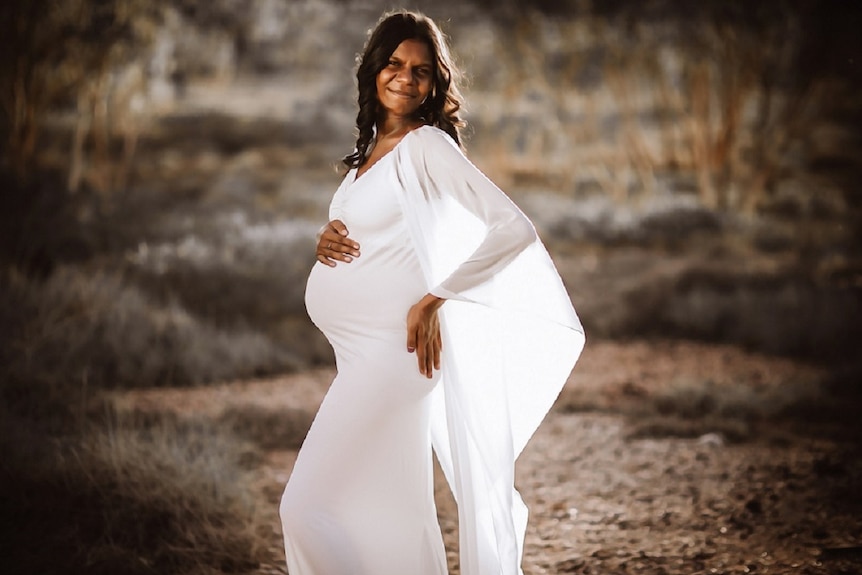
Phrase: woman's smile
(401, 94)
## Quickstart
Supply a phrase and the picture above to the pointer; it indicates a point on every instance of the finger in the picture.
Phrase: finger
(431, 360)
(429, 363)
(326, 255)
(411, 340)
(438, 344)
(430, 353)
(351, 249)
(336, 250)
(422, 353)
(334, 242)
(325, 260)
(339, 227)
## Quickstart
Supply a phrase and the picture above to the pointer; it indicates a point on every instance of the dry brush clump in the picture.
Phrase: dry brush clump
(129, 492)
(267, 428)
(740, 410)
(781, 311)
(682, 388)
(693, 408)
(79, 329)
(230, 268)
(152, 497)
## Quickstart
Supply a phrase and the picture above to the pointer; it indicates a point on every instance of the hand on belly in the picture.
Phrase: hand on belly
(334, 244)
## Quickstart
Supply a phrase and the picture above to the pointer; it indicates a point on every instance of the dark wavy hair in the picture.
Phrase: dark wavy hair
(440, 108)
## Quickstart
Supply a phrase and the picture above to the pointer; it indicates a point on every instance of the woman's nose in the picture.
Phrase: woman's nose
(406, 75)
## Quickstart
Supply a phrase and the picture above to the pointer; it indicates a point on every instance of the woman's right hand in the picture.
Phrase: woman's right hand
(333, 244)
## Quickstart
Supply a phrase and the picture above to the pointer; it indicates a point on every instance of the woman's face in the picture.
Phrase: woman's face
(405, 82)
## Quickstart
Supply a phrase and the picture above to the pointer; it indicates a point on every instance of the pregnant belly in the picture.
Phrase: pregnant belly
(363, 296)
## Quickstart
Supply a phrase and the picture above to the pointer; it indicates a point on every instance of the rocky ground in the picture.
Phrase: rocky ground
(607, 496)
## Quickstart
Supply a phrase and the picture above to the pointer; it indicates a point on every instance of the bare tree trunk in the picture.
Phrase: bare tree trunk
(101, 173)
(82, 127)
(130, 144)
(700, 131)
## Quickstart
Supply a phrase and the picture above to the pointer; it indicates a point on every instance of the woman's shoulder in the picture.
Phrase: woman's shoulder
(432, 137)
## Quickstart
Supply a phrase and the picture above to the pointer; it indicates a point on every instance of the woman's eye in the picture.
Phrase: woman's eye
(393, 62)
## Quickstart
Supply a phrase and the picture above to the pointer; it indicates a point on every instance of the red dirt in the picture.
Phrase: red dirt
(604, 503)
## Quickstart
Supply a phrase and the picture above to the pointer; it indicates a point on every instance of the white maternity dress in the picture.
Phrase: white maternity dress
(360, 498)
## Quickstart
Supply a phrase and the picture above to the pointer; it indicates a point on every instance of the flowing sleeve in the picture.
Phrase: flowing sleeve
(507, 231)
(510, 338)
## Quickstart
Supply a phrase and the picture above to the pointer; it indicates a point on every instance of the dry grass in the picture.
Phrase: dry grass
(694, 408)
(96, 330)
(688, 389)
(157, 496)
(781, 311)
(267, 428)
(716, 291)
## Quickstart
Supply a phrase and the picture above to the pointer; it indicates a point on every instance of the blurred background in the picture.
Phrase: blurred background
(693, 167)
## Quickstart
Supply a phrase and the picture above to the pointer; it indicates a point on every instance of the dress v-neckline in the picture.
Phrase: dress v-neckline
(357, 176)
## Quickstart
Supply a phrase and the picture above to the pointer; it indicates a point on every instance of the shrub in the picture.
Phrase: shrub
(157, 497)
(95, 329)
(268, 428)
(781, 312)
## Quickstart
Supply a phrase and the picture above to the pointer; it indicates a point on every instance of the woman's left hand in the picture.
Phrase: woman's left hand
(423, 333)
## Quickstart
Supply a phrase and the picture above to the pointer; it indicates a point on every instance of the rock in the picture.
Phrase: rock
(711, 439)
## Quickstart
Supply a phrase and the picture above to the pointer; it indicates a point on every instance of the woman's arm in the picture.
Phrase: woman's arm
(444, 167)
(444, 170)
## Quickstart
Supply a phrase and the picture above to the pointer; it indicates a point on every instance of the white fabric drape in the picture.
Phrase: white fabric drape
(511, 338)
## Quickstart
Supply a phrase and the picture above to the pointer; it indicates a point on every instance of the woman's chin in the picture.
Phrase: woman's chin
(401, 110)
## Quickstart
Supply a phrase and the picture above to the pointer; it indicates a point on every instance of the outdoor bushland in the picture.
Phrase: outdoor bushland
(694, 168)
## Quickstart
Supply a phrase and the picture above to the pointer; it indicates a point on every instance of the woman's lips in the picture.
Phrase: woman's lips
(405, 95)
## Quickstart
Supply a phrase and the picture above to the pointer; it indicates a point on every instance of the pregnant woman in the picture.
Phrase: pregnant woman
(414, 226)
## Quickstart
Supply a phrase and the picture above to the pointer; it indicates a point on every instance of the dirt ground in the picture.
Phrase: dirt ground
(607, 500)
